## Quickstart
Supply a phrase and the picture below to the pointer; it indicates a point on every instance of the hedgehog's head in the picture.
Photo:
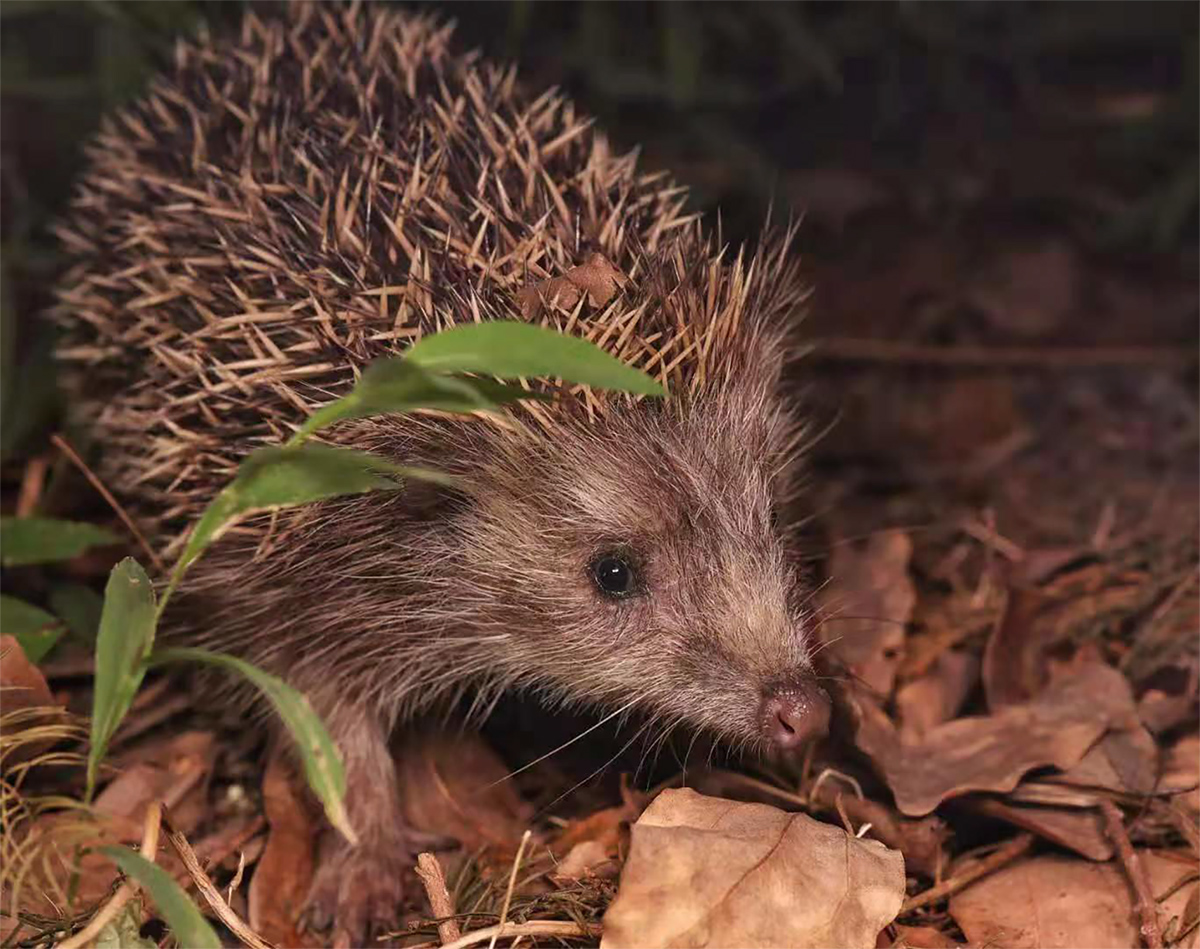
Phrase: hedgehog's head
(637, 560)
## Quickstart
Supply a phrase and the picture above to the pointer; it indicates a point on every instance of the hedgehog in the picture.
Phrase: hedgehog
(320, 190)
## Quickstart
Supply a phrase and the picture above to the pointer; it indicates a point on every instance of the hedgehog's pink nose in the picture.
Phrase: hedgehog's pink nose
(793, 713)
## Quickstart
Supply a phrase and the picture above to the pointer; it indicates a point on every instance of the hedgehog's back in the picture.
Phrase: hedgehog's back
(286, 206)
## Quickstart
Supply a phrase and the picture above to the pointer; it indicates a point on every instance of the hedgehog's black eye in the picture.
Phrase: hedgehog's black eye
(614, 576)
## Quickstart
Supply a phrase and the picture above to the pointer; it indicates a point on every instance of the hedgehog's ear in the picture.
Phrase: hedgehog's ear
(430, 501)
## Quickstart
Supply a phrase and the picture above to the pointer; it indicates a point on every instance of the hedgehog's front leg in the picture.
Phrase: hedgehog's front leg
(357, 890)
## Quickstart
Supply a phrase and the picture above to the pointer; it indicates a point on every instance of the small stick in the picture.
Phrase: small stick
(32, 482)
(62, 445)
(231, 919)
(1010, 851)
(434, 881)
(1115, 825)
(512, 882)
(535, 927)
(149, 849)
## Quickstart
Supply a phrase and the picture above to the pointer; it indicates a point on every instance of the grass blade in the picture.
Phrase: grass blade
(510, 350)
(318, 753)
(126, 634)
(274, 478)
(399, 385)
(187, 924)
(35, 629)
(27, 540)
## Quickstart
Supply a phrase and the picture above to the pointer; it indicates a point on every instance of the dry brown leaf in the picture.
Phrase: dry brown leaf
(867, 604)
(454, 786)
(704, 871)
(990, 753)
(1078, 829)
(922, 937)
(1123, 760)
(936, 697)
(23, 686)
(1170, 698)
(596, 277)
(1013, 670)
(1050, 902)
(590, 858)
(284, 874)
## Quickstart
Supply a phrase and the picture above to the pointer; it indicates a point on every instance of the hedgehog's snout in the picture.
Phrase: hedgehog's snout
(794, 712)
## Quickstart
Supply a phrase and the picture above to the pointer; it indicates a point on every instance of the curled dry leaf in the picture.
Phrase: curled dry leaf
(936, 696)
(1053, 901)
(284, 873)
(596, 277)
(867, 604)
(22, 686)
(704, 871)
(1170, 696)
(990, 753)
(1078, 829)
(454, 786)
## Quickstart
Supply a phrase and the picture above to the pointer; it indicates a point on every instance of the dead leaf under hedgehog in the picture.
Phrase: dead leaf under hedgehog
(286, 205)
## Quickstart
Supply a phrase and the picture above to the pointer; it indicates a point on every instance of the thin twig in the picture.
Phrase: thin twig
(512, 882)
(149, 849)
(64, 446)
(1060, 357)
(1010, 851)
(1147, 911)
(535, 927)
(206, 886)
(440, 901)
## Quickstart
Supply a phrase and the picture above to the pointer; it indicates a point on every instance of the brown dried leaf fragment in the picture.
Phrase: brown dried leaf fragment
(454, 786)
(1052, 901)
(22, 687)
(1078, 829)
(596, 277)
(990, 753)
(284, 874)
(936, 696)
(704, 871)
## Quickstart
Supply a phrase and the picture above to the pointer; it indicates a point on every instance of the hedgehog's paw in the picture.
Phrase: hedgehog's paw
(357, 892)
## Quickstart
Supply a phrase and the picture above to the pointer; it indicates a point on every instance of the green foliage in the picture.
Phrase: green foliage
(28, 540)
(511, 350)
(319, 754)
(126, 635)
(274, 478)
(400, 385)
(188, 926)
(79, 606)
(35, 629)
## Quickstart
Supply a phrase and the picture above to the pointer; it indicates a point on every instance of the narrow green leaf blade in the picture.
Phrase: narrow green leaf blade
(508, 350)
(187, 924)
(398, 385)
(322, 761)
(26, 540)
(274, 478)
(126, 634)
(35, 629)
(80, 608)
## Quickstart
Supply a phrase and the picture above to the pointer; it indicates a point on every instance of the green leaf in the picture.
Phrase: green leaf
(26, 540)
(510, 350)
(80, 607)
(399, 385)
(35, 629)
(322, 762)
(187, 924)
(126, 635)
(273, 478)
